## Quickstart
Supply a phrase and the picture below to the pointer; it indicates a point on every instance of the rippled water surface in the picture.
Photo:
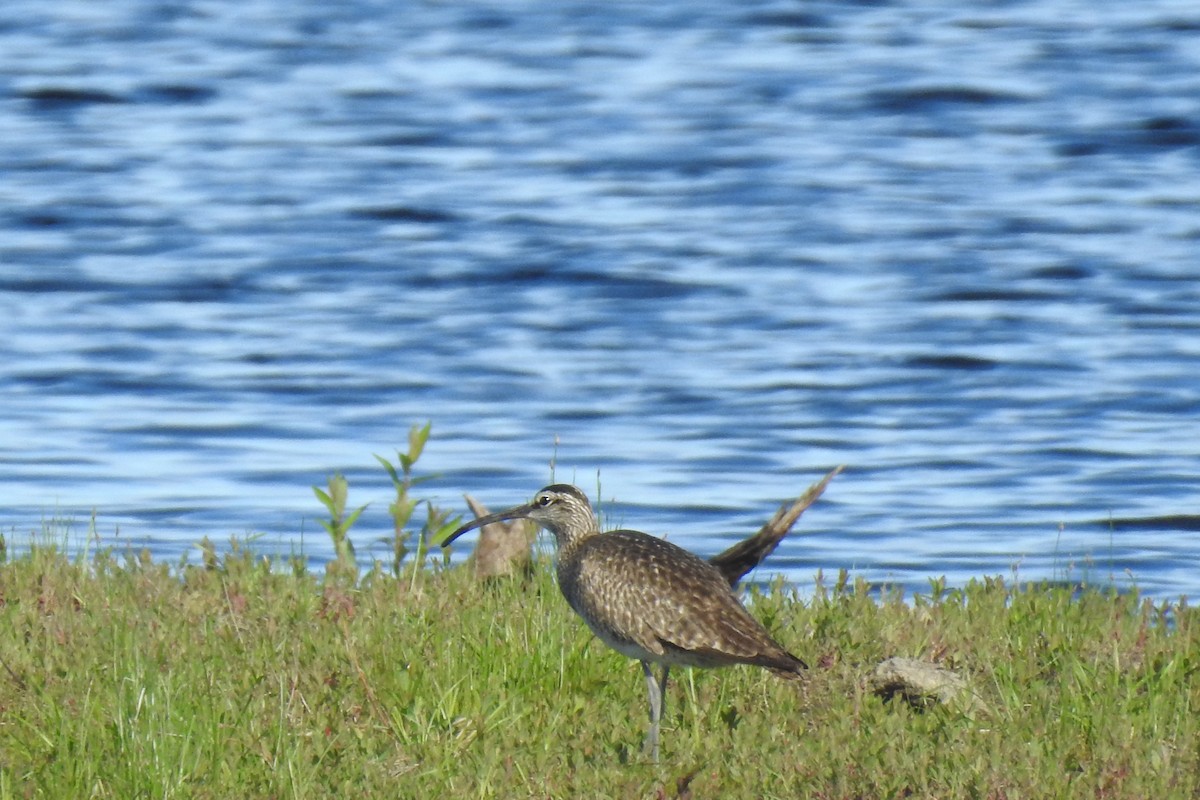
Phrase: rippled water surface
(712, 249)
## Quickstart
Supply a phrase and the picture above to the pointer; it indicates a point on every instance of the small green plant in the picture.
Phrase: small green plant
(438, 522)
(338, 526)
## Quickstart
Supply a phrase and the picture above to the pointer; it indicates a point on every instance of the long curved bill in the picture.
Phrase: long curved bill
(518, 512)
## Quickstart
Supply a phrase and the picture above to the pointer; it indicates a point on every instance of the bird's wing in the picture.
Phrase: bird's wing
(662, 597)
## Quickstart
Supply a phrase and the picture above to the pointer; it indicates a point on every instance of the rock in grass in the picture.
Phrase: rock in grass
(921, 684)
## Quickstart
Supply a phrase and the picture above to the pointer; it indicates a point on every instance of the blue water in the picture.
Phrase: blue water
(711, 249)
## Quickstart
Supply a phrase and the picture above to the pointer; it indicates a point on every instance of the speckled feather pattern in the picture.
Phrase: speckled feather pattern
(650, 599)
(653, 600)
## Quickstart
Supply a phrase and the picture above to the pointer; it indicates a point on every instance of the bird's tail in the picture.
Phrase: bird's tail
(793, 670)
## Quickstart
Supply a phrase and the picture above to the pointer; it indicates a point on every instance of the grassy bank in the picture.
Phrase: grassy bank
(128, 679)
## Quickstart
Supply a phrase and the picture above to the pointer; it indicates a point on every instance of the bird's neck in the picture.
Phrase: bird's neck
(569, 538)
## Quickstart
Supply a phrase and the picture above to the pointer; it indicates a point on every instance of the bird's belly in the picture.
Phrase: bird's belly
(670, 655)
(624, 646)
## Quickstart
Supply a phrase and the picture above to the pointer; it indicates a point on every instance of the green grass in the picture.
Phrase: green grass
(122, 678)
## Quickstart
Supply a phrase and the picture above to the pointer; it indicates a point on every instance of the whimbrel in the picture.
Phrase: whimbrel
(647, 598)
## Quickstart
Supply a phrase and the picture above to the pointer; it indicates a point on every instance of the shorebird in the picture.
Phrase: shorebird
(647, 598)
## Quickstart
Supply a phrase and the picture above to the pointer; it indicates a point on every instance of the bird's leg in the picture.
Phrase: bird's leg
(656, 702)
(662, 692)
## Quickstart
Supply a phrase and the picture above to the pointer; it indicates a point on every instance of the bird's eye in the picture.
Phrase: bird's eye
(544, 500)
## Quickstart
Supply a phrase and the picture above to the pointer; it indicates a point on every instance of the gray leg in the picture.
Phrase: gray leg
(656, 703)
(662, 692)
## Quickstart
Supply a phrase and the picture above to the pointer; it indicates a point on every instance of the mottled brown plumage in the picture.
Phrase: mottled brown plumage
(655, 601)
(646, 597)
